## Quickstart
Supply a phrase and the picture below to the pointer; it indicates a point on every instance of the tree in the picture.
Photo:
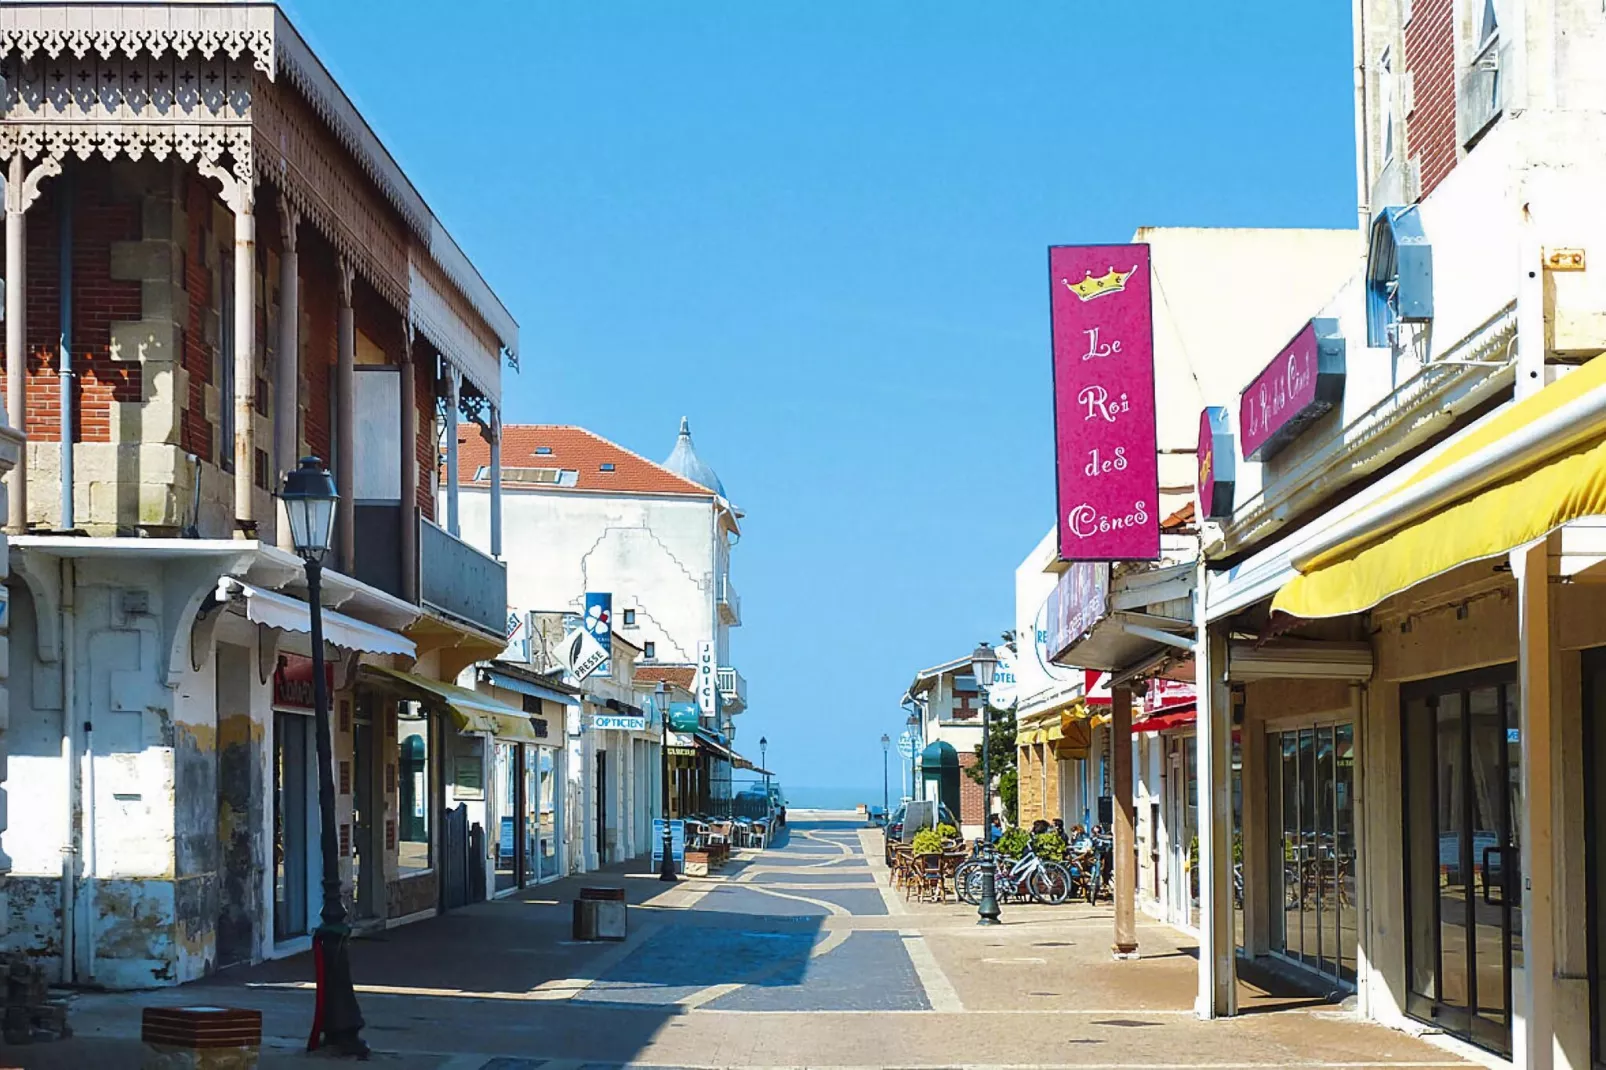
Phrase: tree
(1001, 745)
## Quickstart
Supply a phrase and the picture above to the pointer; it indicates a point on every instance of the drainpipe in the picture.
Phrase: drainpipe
(68, 521)
(1363, 162)
(70, 769)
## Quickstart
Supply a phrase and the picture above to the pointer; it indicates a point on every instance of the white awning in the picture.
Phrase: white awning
(291, 615)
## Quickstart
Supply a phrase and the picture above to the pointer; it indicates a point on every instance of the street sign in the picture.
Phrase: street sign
(598, 622)
(906, 745)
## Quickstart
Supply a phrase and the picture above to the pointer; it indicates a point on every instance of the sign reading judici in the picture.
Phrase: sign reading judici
(1104, 413)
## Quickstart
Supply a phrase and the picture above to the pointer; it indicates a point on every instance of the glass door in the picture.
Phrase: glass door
(292, 791)
(1463, 853)
(507, 819)
(1310, 778)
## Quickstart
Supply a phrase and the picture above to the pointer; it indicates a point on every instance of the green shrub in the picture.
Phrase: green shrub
(1012, 844)
(1049, 847)
(947, 832)
(926, 842)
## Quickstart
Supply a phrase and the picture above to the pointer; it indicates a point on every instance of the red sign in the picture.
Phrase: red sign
(292, 682)
(1163, 696)
(1216, 464)
(1104, 417)
(1305, 382)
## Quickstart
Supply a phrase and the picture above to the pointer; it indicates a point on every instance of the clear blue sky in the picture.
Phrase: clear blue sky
(818, 229)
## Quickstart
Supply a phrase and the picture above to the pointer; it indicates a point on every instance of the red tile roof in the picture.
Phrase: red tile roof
(571, 449)
(680, 676)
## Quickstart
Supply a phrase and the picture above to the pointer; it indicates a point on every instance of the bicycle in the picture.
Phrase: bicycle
(1026, 877)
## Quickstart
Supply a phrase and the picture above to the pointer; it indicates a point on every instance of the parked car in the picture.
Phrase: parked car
(894, 827)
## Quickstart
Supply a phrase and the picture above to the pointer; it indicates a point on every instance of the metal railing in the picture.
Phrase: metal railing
(456, 579)
(730, 603)
(732, 688)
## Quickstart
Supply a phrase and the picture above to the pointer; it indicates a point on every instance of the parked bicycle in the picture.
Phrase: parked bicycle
(1026, 877)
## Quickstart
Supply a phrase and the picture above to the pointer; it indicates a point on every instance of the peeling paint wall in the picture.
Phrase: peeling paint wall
(239, 819)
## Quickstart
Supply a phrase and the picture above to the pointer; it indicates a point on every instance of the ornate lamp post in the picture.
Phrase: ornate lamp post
(666, 868)
(886, 744)
(309, 497)
(982, 662)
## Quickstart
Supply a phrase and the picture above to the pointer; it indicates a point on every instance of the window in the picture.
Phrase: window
(543, 451)
(649, 650)
(630, 618)
(608, 467)
(1385, 92)
(1489, 24)
(413, 789)
(1405, 12)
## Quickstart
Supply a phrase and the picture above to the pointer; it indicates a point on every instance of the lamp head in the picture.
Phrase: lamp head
(983, 662)
(309, 497)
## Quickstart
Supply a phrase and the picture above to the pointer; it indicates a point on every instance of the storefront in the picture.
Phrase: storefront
(525, 806)
(297, 861)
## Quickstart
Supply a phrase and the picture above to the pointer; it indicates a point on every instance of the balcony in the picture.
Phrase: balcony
(730, 603)
(454, 579)
(459, 581)
(732, 689)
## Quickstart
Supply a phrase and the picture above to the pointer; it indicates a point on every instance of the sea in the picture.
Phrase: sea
(806, 798)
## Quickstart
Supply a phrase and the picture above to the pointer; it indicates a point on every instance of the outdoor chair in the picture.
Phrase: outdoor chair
(758, 834)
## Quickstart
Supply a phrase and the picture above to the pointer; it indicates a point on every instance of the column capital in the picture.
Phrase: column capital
(289, 223)
(343, 274)
(22, 184)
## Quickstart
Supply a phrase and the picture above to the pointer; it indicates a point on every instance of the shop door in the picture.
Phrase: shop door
(602, 807)
(1463, 818)
(294, 803)
(1176, 848)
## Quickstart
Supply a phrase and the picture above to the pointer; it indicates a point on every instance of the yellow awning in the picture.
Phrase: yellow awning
(1075, 736)
(1501, 517)
(471, 711)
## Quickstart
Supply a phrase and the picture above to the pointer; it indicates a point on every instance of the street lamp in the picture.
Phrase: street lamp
(917, 736)
(982, 663)
(666, 868)
(309, 502)
(764, 763)
(886, 744)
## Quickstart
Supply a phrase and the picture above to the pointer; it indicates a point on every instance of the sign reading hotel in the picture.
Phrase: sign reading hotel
(1217, 465)
(1104, 413)
(1304, 383)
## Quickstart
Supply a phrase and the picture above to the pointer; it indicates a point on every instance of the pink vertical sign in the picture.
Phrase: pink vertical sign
(1104, 419)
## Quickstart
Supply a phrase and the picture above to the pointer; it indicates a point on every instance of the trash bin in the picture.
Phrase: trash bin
(600, 914)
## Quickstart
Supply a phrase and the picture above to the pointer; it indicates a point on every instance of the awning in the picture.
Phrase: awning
(292, 615)
(509, 682)
(713, 746)
(1525, 472)
(1176, 717)
(471, 710)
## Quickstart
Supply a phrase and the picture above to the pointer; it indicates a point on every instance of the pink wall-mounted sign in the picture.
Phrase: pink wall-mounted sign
(1104, 420)
(1304, 382)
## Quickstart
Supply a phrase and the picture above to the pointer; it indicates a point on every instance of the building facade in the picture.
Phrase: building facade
(1417, 716)
(214, 268)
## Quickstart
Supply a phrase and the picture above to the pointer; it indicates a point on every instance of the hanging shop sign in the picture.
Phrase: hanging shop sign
(707, 682)
(1304, 383)
(599, 623)
(583, 656)
(683, 752)
(1161, 696)
(1217, 465)
(684, 716)
(1106, 452)
(518, 636)
(1002, 695)
(618, 722)
(1079, 600)
(292, 682)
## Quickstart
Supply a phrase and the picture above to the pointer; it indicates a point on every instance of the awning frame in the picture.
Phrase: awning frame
(274, 610)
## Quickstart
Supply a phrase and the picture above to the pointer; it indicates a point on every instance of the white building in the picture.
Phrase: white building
(600, 519)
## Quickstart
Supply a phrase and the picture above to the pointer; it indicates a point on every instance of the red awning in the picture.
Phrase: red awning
(1178, 716)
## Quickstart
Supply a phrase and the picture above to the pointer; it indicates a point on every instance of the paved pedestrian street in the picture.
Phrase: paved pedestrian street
(801, 955)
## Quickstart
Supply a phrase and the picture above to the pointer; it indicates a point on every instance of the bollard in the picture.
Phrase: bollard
(600, 914)
(200, 1038)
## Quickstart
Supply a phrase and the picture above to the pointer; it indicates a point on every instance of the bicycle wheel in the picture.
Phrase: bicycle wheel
(967, 882)
(1095, 881)
(1051, 884)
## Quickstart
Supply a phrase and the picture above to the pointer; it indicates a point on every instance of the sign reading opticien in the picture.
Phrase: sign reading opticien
(1104, 415)
(1304, 382)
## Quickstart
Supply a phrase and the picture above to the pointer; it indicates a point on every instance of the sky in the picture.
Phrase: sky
(818, 229)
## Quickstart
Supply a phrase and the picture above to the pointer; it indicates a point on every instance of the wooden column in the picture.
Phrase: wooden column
(1539, 657)
(1126, 862)
(454, 398)
(345, 406)
(287, 374)
(1218, 980)
(409, 468)
(245, 372)
(22, 189)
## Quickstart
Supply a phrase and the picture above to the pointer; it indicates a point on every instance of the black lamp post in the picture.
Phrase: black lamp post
(309, 499)
(666, 868)
(886, 744)
(764, 763)
(982, 662)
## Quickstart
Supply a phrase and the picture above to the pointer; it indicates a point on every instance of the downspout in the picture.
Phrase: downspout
(64, 343)
(1363, 162)
(69, 758)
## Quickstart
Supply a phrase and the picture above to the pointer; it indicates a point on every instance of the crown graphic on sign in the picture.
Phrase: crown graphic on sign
(1089, 287)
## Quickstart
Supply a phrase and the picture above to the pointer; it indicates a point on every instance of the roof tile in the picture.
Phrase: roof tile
(572, 449)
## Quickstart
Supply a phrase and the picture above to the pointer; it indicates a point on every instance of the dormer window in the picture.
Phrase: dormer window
(1399, 276)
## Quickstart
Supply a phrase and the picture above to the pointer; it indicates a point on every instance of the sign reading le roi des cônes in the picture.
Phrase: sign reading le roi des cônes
(1106, 453)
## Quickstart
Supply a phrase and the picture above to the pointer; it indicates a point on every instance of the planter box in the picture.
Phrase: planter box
(698, 863)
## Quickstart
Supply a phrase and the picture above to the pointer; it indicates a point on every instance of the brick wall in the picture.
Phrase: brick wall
(1029, 763)
(970, 801)
(1430, 124)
